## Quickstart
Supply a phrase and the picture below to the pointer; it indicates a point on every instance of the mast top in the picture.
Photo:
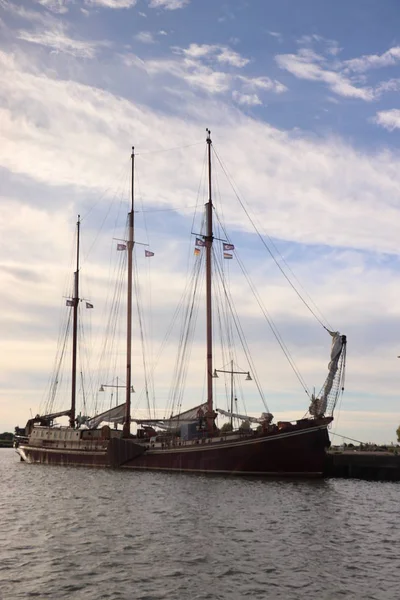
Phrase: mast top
(208, 136)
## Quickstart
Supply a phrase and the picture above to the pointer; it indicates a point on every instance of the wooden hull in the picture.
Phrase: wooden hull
(109, 453)
(297, 453)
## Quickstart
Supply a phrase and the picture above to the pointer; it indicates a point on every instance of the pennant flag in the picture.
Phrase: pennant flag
(196, 251)
(88, 305)
(228, 247)
(148, 253)
(200, 242)
(70, 303)
(227, 255)
(121, 247)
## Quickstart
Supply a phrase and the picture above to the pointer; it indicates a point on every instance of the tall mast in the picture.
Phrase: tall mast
(127, 423)
(209, 242)
(232, 394)
(75, 301)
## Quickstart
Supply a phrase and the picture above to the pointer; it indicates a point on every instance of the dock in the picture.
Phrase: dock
(359, 464)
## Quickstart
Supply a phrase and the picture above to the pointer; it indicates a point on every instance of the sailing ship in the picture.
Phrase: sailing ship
(190, 440)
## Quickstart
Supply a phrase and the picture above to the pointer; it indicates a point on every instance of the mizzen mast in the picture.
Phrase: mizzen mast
(209, 241)
(75, 301)
(130, 244)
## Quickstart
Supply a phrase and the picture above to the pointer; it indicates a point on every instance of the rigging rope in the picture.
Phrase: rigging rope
(270, 321)
(266, 245)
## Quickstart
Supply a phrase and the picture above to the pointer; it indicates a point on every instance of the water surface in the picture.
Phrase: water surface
(77, 533)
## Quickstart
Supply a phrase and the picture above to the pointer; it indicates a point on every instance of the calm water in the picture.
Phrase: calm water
(79, 533)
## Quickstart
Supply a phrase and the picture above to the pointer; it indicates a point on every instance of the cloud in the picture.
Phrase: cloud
(246, 99)
(392, 85)
(218, 53)
(310, 66)
(168, 4)
(39, 111)
(389, 119)
(192, 72)
(146, 37)
(201, 66)
(373, 61)
(262, 83)
(32, 16)
(276, 35)
(342, 77)
(329, 46)
(59, 41)
(55, 6)
(112, 3)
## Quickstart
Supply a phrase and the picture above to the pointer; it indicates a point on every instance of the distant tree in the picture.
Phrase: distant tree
(398, 433)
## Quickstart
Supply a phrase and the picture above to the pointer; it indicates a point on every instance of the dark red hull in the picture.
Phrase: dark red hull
(298, 452)
(108, 453)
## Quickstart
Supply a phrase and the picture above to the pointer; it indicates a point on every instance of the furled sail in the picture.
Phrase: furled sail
(326, 400)
(191, 415)
(113, 415)
(240, 417)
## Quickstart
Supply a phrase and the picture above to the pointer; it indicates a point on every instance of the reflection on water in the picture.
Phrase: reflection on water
(93, 534)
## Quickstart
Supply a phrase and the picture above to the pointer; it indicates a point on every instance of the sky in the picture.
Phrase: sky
(302, 101)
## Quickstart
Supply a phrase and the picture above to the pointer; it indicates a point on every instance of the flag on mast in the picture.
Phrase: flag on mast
(121, 247)
(70, 303)
(197, 251)
(89, 305)
(200, 242)
(148, 253)
(227, 255)
(228, 246)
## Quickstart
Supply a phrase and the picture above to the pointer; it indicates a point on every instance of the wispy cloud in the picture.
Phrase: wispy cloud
(33, 16)
(310, 66)
(56, 6)
(392, 85)
(262, 83)
(373, 61)
(59, 41)
(146, 37)
(389, 119)
(342, 77)
(329, 46)
(276, 35)
(112, 3)
(168, 4)
(201, 66)
(192, 72)
(246, 99)
(221, 54)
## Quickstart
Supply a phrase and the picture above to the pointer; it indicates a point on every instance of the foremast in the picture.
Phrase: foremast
(75, 301)
(130, 245)
(209, 242)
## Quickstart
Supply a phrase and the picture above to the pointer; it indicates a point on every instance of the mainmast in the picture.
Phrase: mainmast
(75, 301)
(209, 242)
(130, 244)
